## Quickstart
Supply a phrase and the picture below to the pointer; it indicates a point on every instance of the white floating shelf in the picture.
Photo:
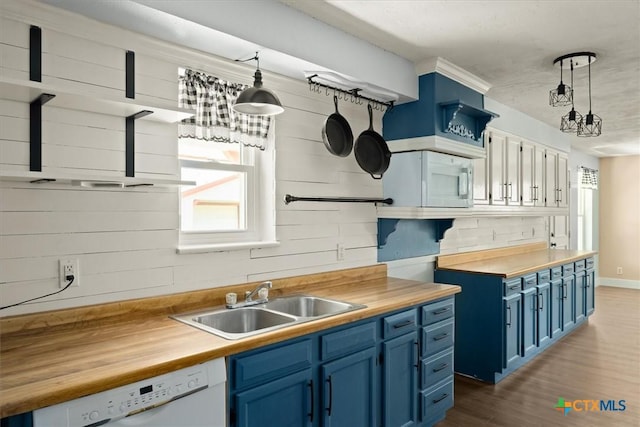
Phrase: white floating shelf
(91, 181)
(27, 91)
(476, 211)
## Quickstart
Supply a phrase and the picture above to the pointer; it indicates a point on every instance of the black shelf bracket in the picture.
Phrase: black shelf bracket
(288, 198)
(35, 54)
(130, 135)
(130, 71)
(35, 131)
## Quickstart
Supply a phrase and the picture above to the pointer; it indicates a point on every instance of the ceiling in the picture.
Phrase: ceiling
(509, 44)
(512, 45)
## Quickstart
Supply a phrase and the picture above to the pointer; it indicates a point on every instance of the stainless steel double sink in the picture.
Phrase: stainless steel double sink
(278, 313)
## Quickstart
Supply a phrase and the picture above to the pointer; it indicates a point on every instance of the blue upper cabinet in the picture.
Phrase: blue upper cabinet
(445, 108)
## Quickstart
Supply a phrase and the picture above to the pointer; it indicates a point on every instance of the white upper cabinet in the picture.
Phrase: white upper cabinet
(556, 179)
(504, 165)
(532, 164)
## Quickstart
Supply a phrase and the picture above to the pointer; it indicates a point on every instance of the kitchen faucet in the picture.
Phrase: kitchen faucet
(250, 295)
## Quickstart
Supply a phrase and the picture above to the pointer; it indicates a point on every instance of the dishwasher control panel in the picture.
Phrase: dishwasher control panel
(108, 406)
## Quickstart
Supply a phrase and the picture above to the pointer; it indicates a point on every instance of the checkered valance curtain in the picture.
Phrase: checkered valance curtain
(214, 119)
(589, 178)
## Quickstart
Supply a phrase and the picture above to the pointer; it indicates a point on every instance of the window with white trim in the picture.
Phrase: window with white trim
(230, 158)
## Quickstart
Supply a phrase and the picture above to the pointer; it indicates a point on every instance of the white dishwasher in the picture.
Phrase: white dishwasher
(189, 397)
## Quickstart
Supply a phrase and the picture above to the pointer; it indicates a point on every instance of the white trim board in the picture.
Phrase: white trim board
(618, 283)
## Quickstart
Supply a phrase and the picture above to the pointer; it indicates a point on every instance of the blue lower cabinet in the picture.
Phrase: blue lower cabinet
(590, 288)
(581, 296)
(366, 373)
(435, 401)
(568, 305)
(349, 390)
(20, 420)
(399, 379)
(557, 302)
(529, 321)
(287, 402)
(501, 323)
(543, 309)
(512, 330)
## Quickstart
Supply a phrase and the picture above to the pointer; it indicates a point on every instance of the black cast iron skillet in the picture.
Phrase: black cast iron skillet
(371, 150)
(336, 133)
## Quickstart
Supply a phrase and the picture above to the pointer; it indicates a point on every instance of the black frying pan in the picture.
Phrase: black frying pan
(371, 150)
(336, 133)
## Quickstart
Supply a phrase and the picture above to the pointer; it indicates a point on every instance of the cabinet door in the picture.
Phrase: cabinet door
(529, 321)
(559, 232)
(568, 307)
(512, 329)
(512, 169)
(497, 149)
(557, 302)
(481, 181)
(348, 391)
(528, 173)
(590, 292)
(550, 194)
(543, 301)
(400, 374)
(538, 177)
(286, 402)
(562, 181)
(581, 296)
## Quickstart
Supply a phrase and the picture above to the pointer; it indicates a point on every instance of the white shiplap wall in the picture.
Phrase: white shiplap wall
(126, 240)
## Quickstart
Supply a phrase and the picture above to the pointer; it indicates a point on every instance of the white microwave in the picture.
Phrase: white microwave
(429, 179)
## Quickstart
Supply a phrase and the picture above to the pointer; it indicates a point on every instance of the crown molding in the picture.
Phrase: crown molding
(452, 71)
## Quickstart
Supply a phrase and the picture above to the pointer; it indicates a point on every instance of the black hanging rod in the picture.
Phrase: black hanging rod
(288, 198)
(353, 95)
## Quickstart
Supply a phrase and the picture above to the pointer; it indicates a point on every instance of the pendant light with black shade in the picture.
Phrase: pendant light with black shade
(591, 125)
(258, 100)
(570, 121)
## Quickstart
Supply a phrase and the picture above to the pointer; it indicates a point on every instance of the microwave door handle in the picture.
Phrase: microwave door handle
(463, 183)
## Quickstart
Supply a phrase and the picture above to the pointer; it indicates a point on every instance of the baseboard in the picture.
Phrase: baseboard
(618, 283)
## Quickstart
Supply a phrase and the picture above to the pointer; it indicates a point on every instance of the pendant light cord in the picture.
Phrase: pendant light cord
(589, 84)
(573, 94)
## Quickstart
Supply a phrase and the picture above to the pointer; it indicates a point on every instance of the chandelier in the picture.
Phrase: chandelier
(573, 121)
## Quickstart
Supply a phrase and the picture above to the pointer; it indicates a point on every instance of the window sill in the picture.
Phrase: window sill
(223, 247)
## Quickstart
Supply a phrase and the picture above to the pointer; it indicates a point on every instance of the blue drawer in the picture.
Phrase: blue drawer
(568, 269)
(589, 263)
(529, 281)
(436, 401)
(556, 273)
(437, 337)
(436, 368)
(270, 364)
(544, 276)
(580, 265)
(512, 286)
(435, 312)
(348, 340)
(399, 324)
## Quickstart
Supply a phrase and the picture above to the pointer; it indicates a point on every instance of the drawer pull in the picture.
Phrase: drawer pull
(441, 398)
(530, 282)
(441, 336)
(403, 324)
(440, 311)
(440, 368)
(514, 287)
(417, 365)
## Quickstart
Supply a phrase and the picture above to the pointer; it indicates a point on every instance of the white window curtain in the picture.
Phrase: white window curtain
(214, 119)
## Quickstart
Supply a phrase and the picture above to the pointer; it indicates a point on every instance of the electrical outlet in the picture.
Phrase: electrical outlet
(69, 267)
(340, 252)
(619, 270)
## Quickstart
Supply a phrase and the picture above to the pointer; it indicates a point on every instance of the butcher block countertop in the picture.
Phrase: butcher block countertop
(48, 358)
(511, 261)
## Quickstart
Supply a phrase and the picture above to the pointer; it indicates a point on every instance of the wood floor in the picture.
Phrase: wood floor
(600, 360)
